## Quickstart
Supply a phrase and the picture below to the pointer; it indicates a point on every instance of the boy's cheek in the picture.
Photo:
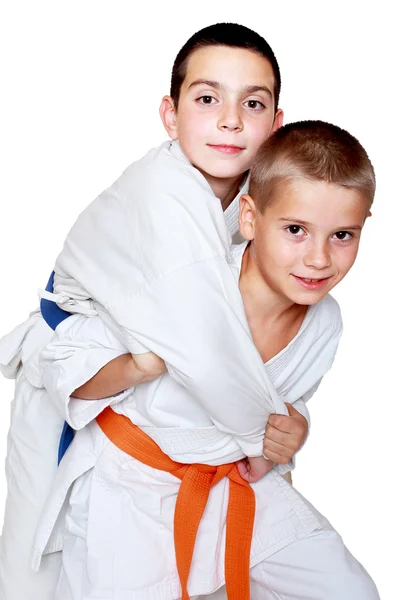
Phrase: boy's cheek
(352, 258)
(346, 266)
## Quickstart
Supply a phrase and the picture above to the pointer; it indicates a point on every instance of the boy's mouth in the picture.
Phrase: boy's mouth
(311, 284)
(226, 148)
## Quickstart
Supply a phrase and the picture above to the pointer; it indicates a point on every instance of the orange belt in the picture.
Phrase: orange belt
(197, 481)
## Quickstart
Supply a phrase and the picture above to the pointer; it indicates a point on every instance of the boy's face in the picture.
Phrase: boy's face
(307, 239)
(225, 112)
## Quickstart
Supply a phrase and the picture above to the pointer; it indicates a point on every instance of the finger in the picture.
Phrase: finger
(281, 422)
(276, 447)
(255, 475)
(276, 458)
(273, 434)
(296, 418)
(277, 452)
(243, 468)
(296, 428)
(292, 410)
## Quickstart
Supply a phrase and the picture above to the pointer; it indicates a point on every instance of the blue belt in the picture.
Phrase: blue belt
(54, 315)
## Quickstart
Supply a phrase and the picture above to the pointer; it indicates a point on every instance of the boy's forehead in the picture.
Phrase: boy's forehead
(317, 201)
(231, 68)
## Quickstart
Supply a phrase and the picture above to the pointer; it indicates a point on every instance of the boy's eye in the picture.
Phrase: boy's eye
(295, 230)
(254, 104)
(206, 100)
(343, 236)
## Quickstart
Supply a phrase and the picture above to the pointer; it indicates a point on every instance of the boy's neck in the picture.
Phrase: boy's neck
(225, 189)
(273, 322)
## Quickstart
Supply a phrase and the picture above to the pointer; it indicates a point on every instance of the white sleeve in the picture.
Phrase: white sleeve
(79, 348)
(14, 349)
(187, 306)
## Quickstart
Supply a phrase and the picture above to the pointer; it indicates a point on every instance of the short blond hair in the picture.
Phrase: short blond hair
(311, 150)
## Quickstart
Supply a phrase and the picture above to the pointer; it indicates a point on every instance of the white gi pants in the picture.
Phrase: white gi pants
(318, 567)
(31, 465)
(118, 540)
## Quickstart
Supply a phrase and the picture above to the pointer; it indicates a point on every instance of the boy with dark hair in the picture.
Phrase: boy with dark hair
(35, 422)
(120, 252)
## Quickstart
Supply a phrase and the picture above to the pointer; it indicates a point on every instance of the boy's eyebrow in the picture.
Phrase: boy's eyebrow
(253, 89)
(206, 82)
(249, 89)
(306, 223)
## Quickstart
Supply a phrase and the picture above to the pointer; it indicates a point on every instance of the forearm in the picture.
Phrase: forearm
(119, 374)
(79, 349)
(115, 377)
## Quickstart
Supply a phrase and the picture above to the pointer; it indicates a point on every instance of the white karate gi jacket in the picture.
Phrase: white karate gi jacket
(123, 510)
(153, 252)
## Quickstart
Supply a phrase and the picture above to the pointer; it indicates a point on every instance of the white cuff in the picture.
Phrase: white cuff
(63, 376)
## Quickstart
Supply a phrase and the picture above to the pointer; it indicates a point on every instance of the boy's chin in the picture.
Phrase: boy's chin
(310, 300)
(224, 172)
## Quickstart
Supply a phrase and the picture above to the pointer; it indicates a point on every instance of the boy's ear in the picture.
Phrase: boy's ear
(247, 217)
(278, 120)
(168, 117)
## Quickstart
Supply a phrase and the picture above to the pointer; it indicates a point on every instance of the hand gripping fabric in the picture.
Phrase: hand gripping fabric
(197, 481)
(54, 315)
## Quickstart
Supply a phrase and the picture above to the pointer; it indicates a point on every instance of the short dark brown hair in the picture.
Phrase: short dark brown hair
(311, 150)
(223, 34)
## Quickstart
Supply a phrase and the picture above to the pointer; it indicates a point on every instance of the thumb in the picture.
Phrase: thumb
(291, 409)
(243, 469)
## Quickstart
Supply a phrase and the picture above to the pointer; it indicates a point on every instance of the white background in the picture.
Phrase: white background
(81, 83)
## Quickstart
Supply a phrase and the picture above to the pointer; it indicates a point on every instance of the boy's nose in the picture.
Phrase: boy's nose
(318, 257)
(230, 119)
